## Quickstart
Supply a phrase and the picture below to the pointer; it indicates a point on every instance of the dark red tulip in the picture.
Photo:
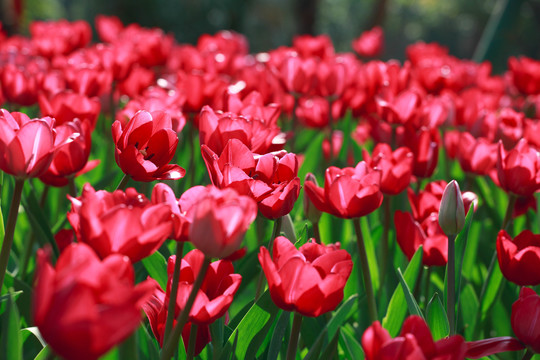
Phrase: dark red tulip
(370, 43)
(120, 222)
(348, 193)
(84, 306)
(145, 147)
(309, 280)
(481, 348)
(518, 170)
(525, 318)
(395, 167)
(424, 145)
(519, 258)
(414, 342)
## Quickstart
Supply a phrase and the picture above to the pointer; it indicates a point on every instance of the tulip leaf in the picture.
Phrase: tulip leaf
(2, 230)
(469, 309)
(38, 220)
(44, 354)
(252, 329)
(414, 309)
(332, 327)
(277, 336)
(397, 308)
(312, 156)
(370, 251)
(11, 339)
(492, 290)
(147, 345)
(156, 265)
(436, 318)
(351, 347)
(34, 331)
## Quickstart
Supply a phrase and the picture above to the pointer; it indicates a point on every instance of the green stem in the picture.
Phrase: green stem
(10, 228)
(275, 232)
(171, 343)
(128, 349)
(528, 355)
(384, 239)
(427, 284)
(174, 289)
(317, 232)
(451, 280)
(509, 210)
(123, 183)
(192, 341)
(72, 188)
(293, 340)
(372, 307)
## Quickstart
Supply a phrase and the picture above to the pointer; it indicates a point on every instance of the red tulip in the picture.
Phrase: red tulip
(53, 38)
(124, 223)
(84, 306)
(395, 167)
(313, 112)
(525, 74)
(309, 280)
(519, 259)
(348, 193)
(424, 145)
(525, 318)
(309, 46)
(414, 342)
(270, 179)
(370, 43)
(19, 85)
(145, 147)
(518, 170)
(481, 348)
(26, 146)
(67, 106)
(220, 219)
(71, 157)
(476, 155)
(411, 233)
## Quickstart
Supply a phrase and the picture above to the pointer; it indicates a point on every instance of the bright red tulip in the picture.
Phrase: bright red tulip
(84, 306)
(414, 342)
(519, 258)
(525, 74)
(19, 85)
(370, 43)
(476, 155)
(60, 37)
(120, 222)
(67, 106)
(309, 280)
(26, 146)
(518, 170)
(220, 219)
(395, 167)
(73, 142)
(348, 193)
(145, 147)
(309, 46)
(424, 145)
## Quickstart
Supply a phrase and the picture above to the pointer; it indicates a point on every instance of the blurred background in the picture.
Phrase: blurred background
(477, 29)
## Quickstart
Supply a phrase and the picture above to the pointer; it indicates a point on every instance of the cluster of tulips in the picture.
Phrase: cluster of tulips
(144, 258)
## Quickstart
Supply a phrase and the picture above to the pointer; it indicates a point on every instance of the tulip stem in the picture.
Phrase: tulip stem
(293, 340)
(372, 307)
(123, 183)
(275, 232)
(192, 340)
(384, 239)
(317, 232)
(10, 228)
(509, 210)
(174, 289)
(528, 355)
(451, 279)
(72, 187)
(171, 343)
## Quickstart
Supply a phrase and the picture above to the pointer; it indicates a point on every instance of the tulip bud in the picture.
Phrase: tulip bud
(312, 213)
(452, 210)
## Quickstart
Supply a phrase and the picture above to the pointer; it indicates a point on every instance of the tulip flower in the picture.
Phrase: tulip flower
(309, 280)
(53, 38)
(519, 258)
(518, 170)
(220, 219)
(370, 43)
(348, 193)
(84, 306)
(67, 106)
(452, 210)
(26, 146)
(395, 167)
(145, 147)
(120, 222)
(414, 342)
(477, 156)
(525, 74)
(525, 319)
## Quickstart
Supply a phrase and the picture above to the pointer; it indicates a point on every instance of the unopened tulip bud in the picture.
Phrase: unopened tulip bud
(312, 213)
(452, 210)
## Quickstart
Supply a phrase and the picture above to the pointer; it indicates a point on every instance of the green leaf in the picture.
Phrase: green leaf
(332, 327)
(492, 291)
(436, 318)
(38, 220)
(148, 347)
(277, 336)
(469, 309)
(414, 309)
(370, 250)
(44, 354)
(397, 309)
(11, 339)
(312, 156)
(34, 331)
(156, 265)
(251, 331)
(351, 347)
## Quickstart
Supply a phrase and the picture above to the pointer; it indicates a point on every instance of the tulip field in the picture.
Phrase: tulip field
(162, 200)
